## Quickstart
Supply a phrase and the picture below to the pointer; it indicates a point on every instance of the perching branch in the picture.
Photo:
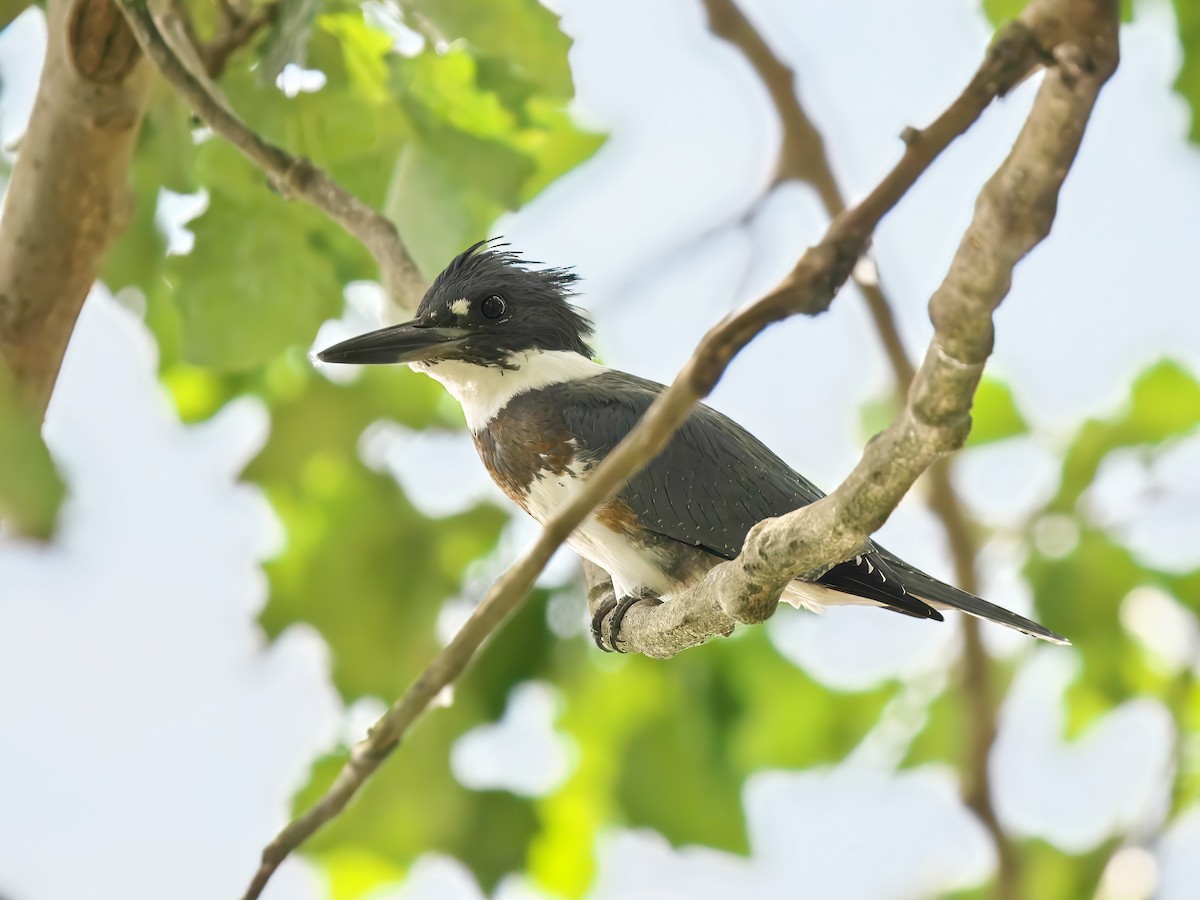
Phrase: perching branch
(828, 532)
(69, 197)
(1014, 212)
(293, 176)
(802, 156)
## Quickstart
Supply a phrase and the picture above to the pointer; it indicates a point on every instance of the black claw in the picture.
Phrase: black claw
(598, 623)
(614, 624)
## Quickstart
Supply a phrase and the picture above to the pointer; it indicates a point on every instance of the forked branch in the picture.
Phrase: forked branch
(803, 157)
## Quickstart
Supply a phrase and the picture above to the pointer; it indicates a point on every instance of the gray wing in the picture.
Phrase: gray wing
(712, 483)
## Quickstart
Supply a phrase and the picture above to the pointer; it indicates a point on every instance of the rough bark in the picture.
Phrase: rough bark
(1014, 212)
(803, 157)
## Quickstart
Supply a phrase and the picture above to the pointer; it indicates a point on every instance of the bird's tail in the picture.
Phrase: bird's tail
(944, 596)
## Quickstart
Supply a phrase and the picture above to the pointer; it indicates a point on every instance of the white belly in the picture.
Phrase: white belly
(632, 568)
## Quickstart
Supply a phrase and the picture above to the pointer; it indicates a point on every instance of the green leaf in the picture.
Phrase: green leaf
(1080, 595)
(415, 806)
(352, 127)
(166, 158)
(353, 871)
(445, 141)
(138, 255)
(354, 540)
(30, 488)
(364, 53)
(10, 9)
(760, 682)
(876, 414)
(521, 34)
(443, 87)
(257, 281)
(473, 157)
(669, 746)
(605, 708)
(1049, 872)
(287, 41)
(666, 758)
(1001, 11)
(445, 197)
(556, 144)
(994, 414)
(1079, 588)
(1187, 83)
(1164, 403)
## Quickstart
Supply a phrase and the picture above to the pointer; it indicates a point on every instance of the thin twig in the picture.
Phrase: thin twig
(802, 156)
(979, 698)
(823, 533)
(175, 27)
(235, 31)
(293, 176)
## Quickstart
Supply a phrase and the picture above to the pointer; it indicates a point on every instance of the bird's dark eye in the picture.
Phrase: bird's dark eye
(493, 307)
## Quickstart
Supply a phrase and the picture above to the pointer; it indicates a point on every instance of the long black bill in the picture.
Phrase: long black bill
(410, 342)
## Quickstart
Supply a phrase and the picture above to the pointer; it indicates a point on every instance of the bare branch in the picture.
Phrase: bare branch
(802, 155)
(747, 586)
(69, 197)
(1014, 212)
(979, 699)
(293, 176)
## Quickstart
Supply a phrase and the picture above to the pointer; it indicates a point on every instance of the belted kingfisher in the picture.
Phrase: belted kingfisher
(507, 342)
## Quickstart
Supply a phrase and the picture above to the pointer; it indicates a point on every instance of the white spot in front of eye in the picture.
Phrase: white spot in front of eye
(461, 307)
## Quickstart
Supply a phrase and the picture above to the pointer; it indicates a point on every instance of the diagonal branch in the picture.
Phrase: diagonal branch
(827, 532)
(1014, 212)
(802, 156)
(293, 176)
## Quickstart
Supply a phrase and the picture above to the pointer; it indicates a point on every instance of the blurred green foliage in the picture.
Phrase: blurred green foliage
(994, 414)
(1187, 17)
(669, 746)
(30, 488)
(1164, 406)
(1001, 11)
(1187, 13)
(444, 140)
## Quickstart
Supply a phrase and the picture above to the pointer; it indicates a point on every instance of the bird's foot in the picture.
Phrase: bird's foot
(618, 615)
(607, 638)
(598, 622)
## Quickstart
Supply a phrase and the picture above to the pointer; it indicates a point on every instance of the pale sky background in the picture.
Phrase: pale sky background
(144, 715)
